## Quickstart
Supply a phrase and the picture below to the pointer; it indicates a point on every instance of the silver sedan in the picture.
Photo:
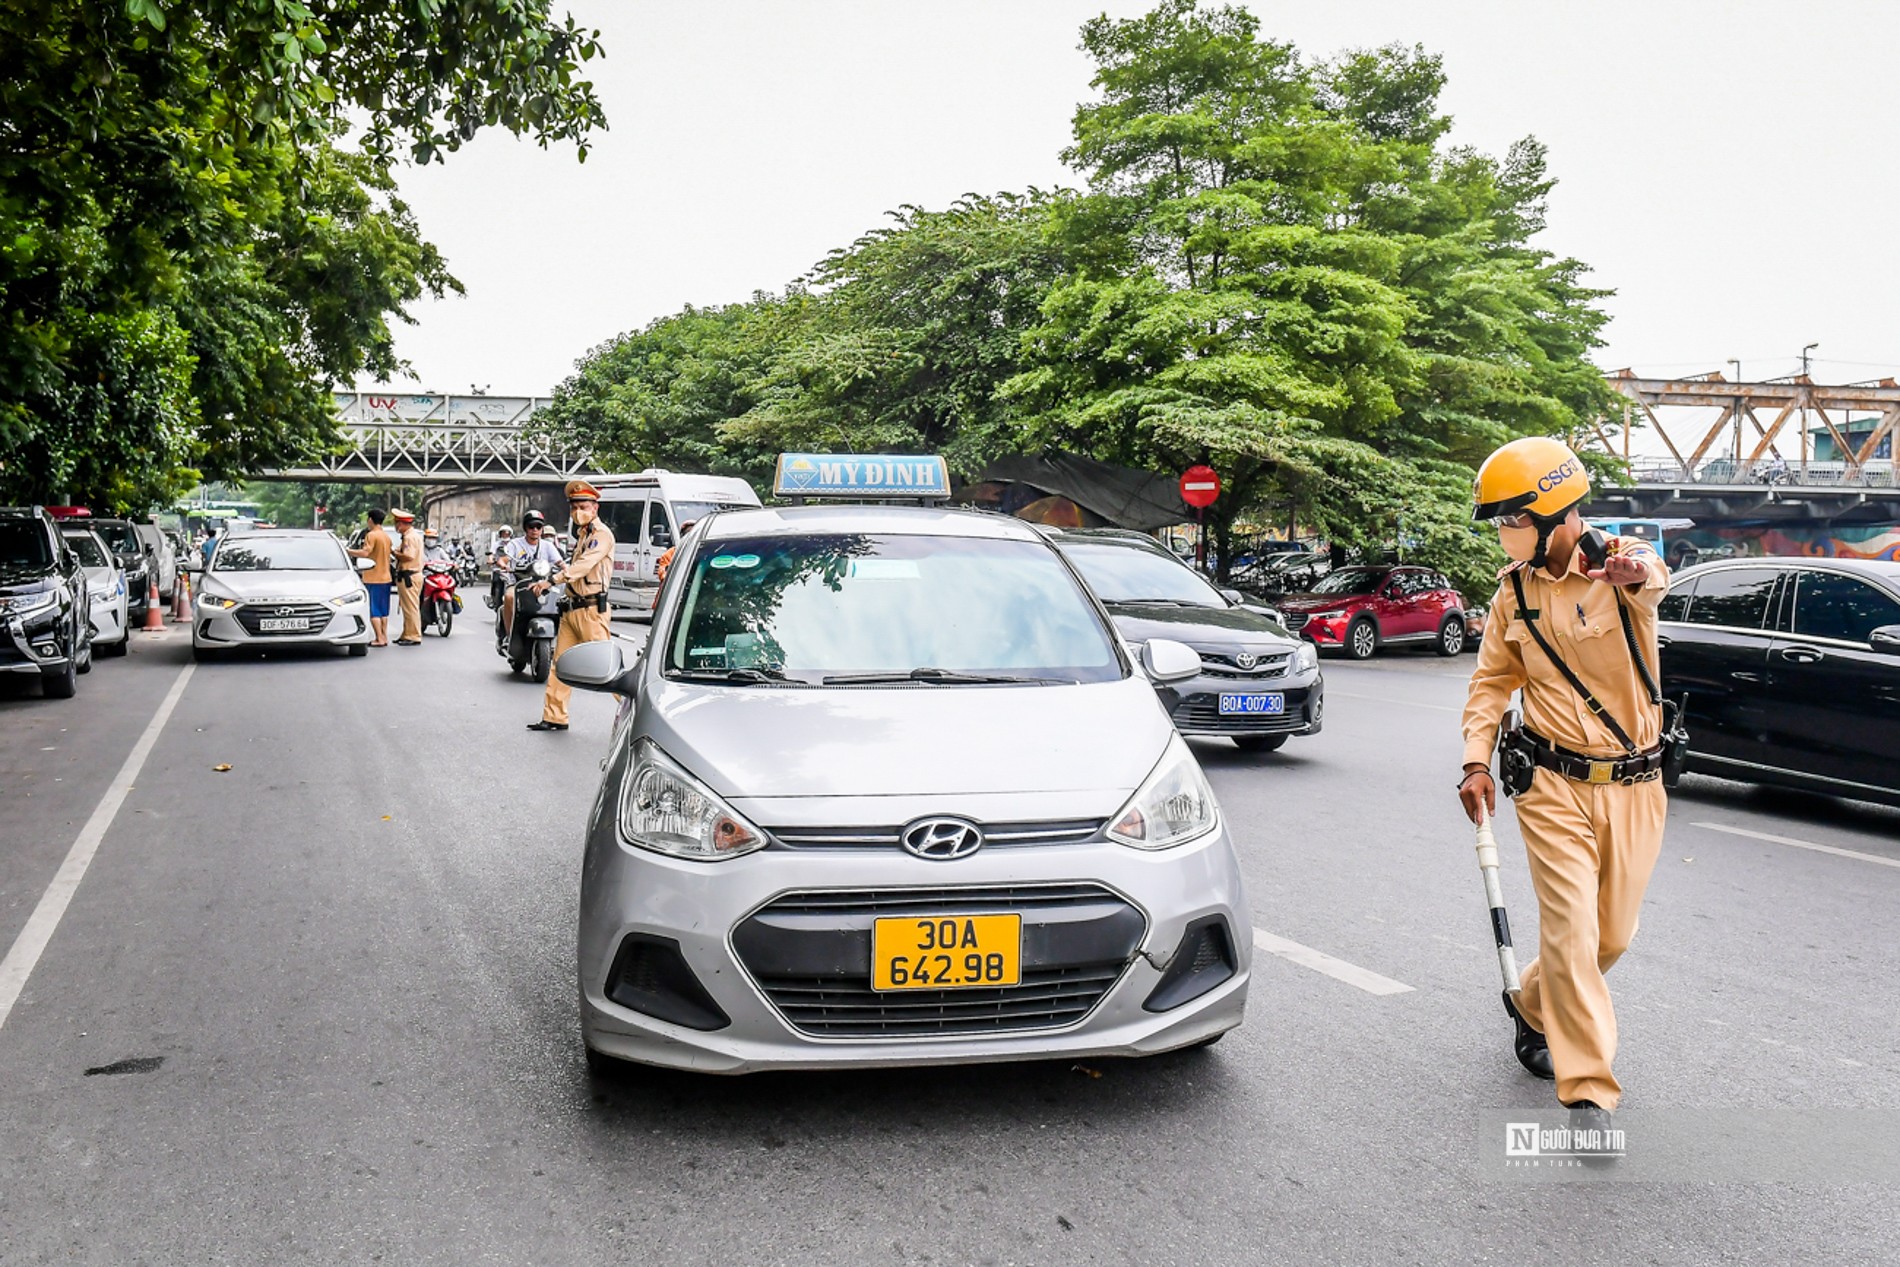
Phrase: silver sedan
(889, 790)
(280, 587)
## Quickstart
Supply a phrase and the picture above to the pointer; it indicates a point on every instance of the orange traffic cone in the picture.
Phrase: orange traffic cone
(154, 607)
(181, 599)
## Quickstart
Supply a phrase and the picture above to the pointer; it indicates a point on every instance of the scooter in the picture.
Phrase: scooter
(439, 601)
(530, 643)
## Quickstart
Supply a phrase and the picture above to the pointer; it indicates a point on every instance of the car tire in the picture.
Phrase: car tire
(605, 1068)
(543, 659)
(359, 649)
(1451, 636)
(203, 655)
(62, 683)
(118, 648)
(1362, 639)
(1259, 743)
(85, 661)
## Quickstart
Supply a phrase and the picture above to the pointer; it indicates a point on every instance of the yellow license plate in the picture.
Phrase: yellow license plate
(946, 952)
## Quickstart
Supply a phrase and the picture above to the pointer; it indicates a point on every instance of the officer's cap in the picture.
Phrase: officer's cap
(581, 489)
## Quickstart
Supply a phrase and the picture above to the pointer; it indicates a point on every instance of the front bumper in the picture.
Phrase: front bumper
(31, 644)
(1160, 903)
(109, 618)
(1195, 707)
(242, 626)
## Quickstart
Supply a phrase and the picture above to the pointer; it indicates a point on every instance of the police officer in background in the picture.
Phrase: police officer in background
(1574, 612)
(408, 577)
(584, 610)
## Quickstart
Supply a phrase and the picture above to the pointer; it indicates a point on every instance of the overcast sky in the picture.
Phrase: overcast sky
(1727, 168)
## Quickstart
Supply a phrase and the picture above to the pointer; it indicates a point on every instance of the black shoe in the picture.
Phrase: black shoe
(548, 725)
(1593, 1133)
(1532, 1051)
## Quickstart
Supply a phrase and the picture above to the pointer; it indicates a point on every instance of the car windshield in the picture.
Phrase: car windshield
(816, 608)
(1136, 574)
(23, 544)
(1350, 581)
(119, 538)
(86, 546)
(279, 554)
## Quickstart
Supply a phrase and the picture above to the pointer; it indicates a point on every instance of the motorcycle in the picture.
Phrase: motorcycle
(465, 569)
(530, 642)
(439, 601)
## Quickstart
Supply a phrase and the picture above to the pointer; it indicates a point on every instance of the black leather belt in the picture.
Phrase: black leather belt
(1579, 768)
(582, 602)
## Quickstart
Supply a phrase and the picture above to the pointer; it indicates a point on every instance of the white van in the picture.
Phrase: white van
(645, 511)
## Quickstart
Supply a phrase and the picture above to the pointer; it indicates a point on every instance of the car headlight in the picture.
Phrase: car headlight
(21, 604)
(667, 810)
(354, 596)
(207, 599)
(1307, 657)
(1173, 806)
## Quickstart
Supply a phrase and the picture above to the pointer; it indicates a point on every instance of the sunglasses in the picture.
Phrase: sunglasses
(1519, 520)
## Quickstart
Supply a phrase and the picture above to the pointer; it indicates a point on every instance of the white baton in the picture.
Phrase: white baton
(1494, 894)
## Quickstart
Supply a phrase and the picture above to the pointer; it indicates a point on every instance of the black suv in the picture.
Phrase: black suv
(1791, 671)
(45, 608)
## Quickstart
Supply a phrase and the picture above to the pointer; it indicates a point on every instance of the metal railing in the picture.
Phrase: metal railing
(442, 453)
(1770, 473)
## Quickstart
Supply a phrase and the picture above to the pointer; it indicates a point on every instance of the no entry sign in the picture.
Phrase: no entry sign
(1200, 486)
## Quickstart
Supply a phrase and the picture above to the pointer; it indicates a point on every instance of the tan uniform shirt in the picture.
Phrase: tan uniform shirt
(1578, 618)
(376, 549)
(592, 566)
(409, 553)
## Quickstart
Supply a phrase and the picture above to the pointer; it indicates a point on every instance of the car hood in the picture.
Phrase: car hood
(1321, 602)
(752, 742)
(263, 586)
(1199, 626)
(18, 580)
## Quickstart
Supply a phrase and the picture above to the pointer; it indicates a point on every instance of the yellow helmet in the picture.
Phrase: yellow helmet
(1535, 474)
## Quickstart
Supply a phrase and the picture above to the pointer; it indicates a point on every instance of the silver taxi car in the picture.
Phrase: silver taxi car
(886, 788)
(280, 587)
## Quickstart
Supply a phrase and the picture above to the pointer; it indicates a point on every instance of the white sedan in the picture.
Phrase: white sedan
(280, 587)
(106, 579)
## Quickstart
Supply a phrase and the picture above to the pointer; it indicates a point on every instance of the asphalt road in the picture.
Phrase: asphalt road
(320, 1008)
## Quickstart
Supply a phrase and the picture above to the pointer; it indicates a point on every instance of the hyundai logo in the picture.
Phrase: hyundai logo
(1246, 660)
(285, 611)
(943, 839)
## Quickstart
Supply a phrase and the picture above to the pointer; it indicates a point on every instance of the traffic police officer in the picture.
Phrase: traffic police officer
(584, 610)
(1592, 816)
(409, 550)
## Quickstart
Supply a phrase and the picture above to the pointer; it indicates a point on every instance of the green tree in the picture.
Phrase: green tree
(187, 255)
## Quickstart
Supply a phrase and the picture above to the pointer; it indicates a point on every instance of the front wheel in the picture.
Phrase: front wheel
(444, 618)
(1259, 743)
(61, 683)
(114, 648)
(359, 648)
(543, 659)
(203, 655)
(1451, 636)
(1362, 639)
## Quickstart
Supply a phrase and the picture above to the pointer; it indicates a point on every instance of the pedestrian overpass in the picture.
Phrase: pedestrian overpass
(390, 437)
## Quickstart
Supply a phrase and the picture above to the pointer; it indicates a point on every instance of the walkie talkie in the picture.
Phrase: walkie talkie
(1595, 547)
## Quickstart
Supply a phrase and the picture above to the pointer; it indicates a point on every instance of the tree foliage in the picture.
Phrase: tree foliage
(1277, 265)
(188, 254)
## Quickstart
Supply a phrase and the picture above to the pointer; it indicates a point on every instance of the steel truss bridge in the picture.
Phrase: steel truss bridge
(1789, 450)
(390, 437)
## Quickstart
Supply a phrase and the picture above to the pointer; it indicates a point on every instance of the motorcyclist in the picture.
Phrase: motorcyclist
(518, 553)
(432, 548)
(497, 577)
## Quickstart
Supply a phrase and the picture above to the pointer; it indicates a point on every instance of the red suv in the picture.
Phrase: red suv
(1360, 609)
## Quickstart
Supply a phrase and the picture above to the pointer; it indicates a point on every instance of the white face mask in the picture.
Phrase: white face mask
(1519, 543)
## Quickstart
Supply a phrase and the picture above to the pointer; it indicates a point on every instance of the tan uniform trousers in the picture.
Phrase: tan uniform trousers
(409, 595)
(1592, 848)
(584, 625)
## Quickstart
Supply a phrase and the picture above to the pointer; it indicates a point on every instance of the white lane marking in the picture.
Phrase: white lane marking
(1800, 844)
(1320, 961)
(28, 946)
(1383, 699)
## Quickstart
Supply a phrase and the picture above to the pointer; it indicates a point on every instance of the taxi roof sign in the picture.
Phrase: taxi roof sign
(865, 476)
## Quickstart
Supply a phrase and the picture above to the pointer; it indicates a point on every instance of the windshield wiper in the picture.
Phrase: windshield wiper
(944, 677)
(1157, 602)
(729, 675)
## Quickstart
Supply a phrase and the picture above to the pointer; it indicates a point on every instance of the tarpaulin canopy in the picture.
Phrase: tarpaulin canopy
(1118, 495)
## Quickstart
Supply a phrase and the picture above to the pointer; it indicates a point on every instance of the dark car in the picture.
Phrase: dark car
(1258, 685)
(1790, 672)
(1277, 575)
(129, 547)
(1360, 609)
(45, 607)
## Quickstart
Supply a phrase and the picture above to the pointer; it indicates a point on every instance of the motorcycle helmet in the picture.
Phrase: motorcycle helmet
(1536, 476)
(533, 519)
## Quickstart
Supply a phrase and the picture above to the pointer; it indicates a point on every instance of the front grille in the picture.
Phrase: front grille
(810, 953)
(1201, 714)
(1222, 664)
(1294, 620)
(1047, 999)
(252, 616)
(1072, 831)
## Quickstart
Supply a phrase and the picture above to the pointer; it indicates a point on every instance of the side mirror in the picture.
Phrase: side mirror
(197, 565)
(662, 537)
(1886, 638)
(1167, 661)
(364, 565)
(598, 666)
(1234, 597)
